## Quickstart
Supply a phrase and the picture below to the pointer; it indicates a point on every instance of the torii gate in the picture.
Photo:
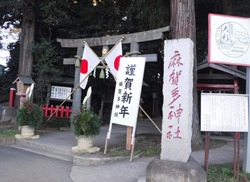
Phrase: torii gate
(133, 39)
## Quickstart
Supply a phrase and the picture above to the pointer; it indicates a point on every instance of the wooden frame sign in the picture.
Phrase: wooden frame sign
(224, 112)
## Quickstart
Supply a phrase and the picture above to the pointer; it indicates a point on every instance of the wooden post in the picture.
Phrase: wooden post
(67, 112)
(129, 138)
(12, 97)
(61, 109)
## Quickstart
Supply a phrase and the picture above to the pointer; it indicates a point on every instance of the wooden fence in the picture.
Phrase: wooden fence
(62, 112)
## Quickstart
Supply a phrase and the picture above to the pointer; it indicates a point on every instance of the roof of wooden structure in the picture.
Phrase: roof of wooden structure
(231, 70)
(24, 80)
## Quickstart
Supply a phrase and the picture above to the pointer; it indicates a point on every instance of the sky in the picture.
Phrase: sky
(4, 57)
(8, 36)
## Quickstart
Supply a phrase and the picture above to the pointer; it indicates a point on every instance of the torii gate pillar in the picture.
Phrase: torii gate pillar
(78, 93)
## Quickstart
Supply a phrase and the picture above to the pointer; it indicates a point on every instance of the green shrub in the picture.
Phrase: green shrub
(86, 122)
(30, 114)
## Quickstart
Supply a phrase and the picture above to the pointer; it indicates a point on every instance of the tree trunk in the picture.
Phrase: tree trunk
(183, 26)
(27, 38)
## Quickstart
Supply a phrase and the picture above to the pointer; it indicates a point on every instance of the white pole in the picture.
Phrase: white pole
(246, 159)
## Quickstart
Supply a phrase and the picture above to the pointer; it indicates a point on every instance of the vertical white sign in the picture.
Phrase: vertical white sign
(228, 40)
(128, 91)
(178, 100)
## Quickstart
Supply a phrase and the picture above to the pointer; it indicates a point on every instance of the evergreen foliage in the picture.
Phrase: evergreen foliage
(81, 19)
(45, 68)
(30, 114)
(67, 19)
(86, 123)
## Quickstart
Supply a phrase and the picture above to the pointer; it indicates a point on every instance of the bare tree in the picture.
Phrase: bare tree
(183, 26)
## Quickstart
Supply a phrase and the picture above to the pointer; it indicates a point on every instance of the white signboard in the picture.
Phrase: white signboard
(228, 40)
(224, 112)
(128, 91)
(60, 92)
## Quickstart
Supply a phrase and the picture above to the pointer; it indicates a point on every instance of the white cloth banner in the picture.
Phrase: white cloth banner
(89, 61)
(113, 59)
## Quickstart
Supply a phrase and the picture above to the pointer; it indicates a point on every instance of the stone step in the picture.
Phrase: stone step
(45, 150)
(66, 154)
(88, 160)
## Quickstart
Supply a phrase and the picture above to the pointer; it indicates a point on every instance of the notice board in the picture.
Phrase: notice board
(224, 112)
(58, 92)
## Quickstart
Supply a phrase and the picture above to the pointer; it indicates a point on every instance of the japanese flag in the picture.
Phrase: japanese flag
(89, 61)
(113, 58)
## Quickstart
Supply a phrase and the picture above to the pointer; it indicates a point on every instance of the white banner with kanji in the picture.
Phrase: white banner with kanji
(128, 91)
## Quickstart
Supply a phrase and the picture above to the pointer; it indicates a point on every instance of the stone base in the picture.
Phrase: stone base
(80, 150)
(18, 136)
(85, 145)
(173, 171)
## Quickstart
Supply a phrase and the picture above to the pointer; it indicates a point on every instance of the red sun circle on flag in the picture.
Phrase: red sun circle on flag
(117, 62)
(84, 66)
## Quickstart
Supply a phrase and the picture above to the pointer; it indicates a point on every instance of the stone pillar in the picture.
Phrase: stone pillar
(178, 100)
(134, 46)
(78, 93)
(175, 163)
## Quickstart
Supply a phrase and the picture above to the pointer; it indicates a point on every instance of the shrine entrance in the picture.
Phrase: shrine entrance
(134, 44)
